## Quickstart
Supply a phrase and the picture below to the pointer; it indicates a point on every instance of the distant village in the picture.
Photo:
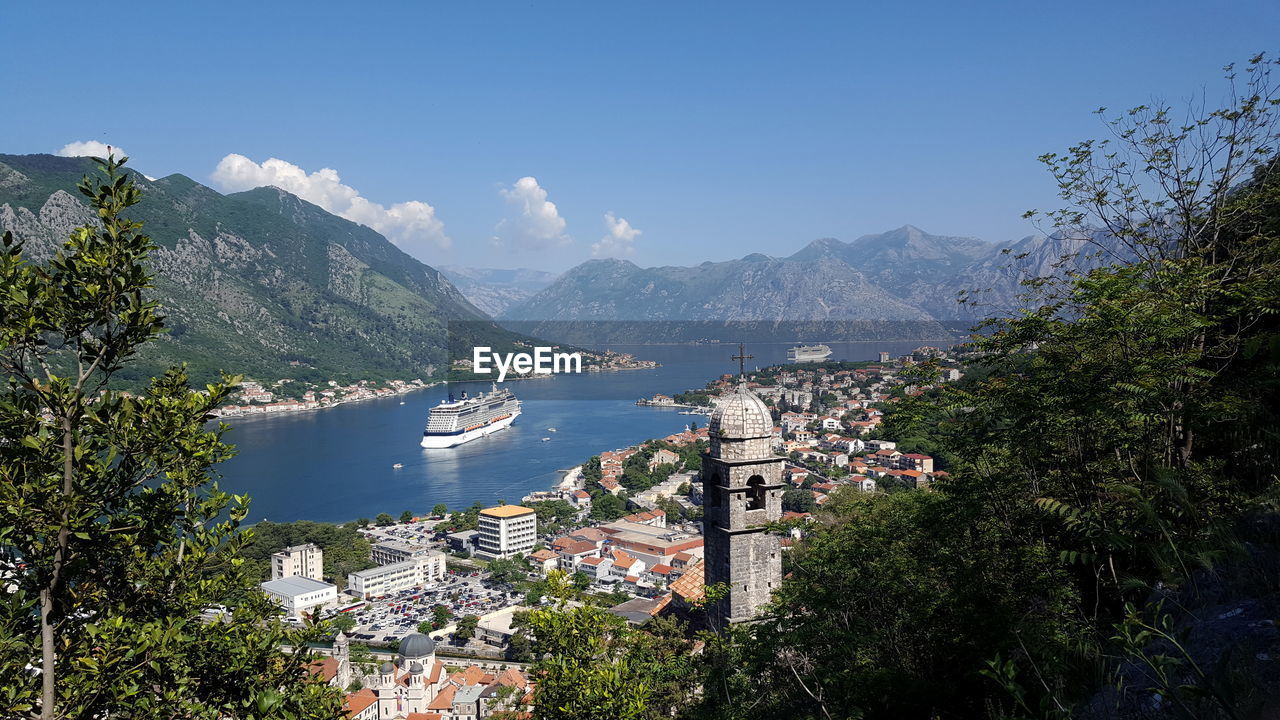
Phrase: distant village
(287, 395)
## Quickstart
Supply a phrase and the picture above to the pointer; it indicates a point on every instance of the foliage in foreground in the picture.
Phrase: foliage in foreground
(1121, 435)
(115, 537)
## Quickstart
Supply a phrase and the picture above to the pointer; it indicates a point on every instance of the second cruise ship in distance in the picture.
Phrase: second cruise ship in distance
(809, 353)
(454, 422)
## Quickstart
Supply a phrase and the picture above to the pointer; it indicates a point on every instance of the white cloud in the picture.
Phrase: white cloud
(619, 241)
(90, 148)
(406, 224)
(536, 223)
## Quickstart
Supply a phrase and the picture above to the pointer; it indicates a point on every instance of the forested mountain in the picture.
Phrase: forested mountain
(259, 282)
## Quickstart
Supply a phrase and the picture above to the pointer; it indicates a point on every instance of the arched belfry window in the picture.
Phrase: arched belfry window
(755, 493)
(711, 490)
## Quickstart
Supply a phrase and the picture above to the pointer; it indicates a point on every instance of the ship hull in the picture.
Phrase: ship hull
(809, 357)
(439, 442)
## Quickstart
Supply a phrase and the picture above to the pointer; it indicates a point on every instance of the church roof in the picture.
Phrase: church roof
(326, 668)
(739, 415)
(689, 585)
(358, 702)
(444, 701)
(417, 645)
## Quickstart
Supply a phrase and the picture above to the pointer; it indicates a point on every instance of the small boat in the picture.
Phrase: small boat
(551, 429)
(397, 466)
(401, 402)
(546, 439)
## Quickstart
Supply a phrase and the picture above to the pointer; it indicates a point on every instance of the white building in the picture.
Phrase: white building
(387, 579)
(297, 593)
(300, 560)
(388, 552)
(506, 530)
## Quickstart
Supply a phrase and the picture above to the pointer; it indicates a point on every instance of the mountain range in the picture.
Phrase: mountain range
(261, 282)
(264, 283)
(901, 284)
(493, 290)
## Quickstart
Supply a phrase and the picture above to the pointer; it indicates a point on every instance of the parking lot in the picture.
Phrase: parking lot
(419, 532)
(392, 617)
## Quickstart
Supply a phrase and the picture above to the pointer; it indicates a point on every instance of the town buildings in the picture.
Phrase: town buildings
(506, 530)
(394, 551)
(416, 685)
(299, 560)
(386, 579)
(297, 593)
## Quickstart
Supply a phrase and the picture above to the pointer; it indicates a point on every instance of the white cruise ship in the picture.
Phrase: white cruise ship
(809, 353)
(454, 422)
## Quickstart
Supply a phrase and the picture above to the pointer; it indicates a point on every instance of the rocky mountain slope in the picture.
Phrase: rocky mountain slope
(900, 284)
(493, 290)
(260, 282)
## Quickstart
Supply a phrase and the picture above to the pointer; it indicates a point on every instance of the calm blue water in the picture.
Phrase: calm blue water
(336, 465)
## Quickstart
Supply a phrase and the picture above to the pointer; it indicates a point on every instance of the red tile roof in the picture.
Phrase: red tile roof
(358, 702)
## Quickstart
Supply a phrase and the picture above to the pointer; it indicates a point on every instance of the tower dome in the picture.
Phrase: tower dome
(740, 426)
(416, 646)
(741, 415)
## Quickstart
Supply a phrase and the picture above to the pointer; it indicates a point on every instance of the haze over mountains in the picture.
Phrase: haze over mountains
(259, 282)
(494, 291)
(899, 284)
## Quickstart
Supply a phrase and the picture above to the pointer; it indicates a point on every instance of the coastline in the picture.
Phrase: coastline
(570, 480)
(244, 411)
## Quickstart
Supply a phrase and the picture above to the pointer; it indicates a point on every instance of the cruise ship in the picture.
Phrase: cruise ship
(454, 422)
(809, 353)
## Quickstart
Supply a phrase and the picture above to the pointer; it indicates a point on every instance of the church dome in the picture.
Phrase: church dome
(387, 668)
(740, 415)
(416, 645)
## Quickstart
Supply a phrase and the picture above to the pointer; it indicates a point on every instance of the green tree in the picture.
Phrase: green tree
(608, 507)
(440, 510)
(384, 519)
(591, 470)
(466, 629)
(406, 516)
(508, 570)
(1091, 467)
(799, 500)
(592, 665)
(107, 498)
(440, 615)
(343, 623)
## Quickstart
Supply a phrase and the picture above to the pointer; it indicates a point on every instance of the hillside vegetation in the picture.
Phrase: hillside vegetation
(260, 282)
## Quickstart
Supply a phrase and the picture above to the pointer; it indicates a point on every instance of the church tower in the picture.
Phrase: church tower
(342, 653)
(742, 492)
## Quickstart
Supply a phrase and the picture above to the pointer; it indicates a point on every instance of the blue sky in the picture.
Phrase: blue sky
(713, 129)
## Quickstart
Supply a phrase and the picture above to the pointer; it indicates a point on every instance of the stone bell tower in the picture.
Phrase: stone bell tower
(742, 492)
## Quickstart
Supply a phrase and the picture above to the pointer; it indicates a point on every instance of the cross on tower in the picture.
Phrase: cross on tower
(742, 357)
